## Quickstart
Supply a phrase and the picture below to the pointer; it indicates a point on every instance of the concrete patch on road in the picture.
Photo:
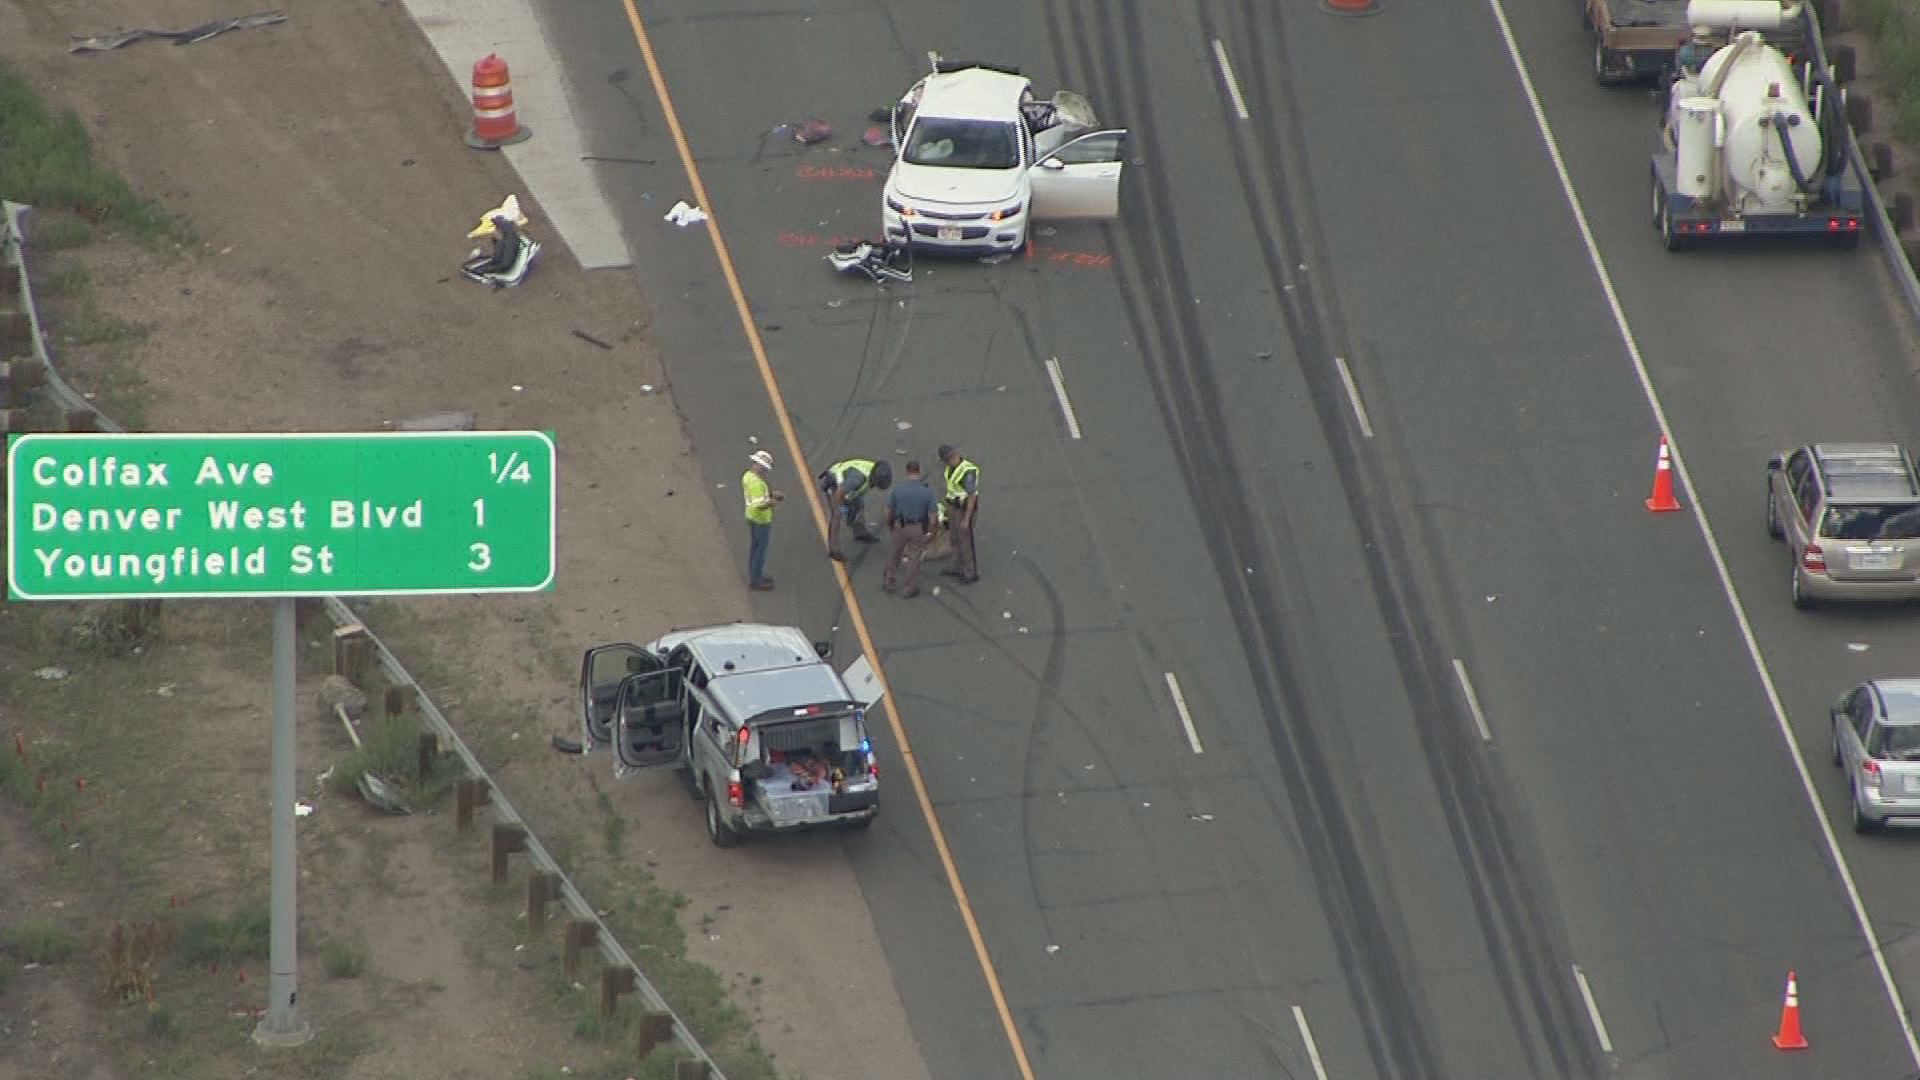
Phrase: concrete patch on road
(551, 162)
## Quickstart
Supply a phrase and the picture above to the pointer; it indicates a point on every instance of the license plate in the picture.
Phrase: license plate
(948, 232)
(1873, 562)
(1733, 226)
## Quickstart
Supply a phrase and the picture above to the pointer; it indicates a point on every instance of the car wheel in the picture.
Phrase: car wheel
(1659, 215)
(718, 831)
(1861, 823)
(1773, 517)
(1801, 600)
(1836, 743)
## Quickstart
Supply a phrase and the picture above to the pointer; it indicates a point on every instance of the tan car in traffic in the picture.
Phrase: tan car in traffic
(1850, 514)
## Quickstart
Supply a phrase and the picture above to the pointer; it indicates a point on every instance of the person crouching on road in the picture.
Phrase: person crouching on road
(910, 510)
(961, 506)
(759, 500)
(845, 485)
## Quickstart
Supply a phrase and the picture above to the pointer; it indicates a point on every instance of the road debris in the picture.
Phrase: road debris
(214, 28)
(590, 339)
(52, 674)
(874, 136)
(302, 809)
(1858, 646)
(684, 214)
(811, 132)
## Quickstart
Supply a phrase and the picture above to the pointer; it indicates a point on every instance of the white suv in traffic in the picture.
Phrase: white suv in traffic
(977, 158)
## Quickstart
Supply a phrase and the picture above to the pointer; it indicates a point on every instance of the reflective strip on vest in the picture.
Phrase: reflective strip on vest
(839, 473)
(956, 480)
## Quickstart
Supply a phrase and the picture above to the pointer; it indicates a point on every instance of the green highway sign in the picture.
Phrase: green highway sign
(135, 516)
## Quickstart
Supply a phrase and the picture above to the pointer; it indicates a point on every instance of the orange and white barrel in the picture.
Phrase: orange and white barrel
(494, 120)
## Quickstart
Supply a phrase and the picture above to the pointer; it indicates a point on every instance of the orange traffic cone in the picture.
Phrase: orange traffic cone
(1662, 499)
(1789, 1036)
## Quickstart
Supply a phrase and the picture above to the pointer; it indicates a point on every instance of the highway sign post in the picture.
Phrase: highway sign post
(143, 516)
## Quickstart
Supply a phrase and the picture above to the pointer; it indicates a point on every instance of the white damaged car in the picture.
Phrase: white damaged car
(978, 158)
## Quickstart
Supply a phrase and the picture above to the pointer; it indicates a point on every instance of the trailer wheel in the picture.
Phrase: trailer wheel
(1842, 63)
(1879, 160)
(1602, 69)
(1901, 211)
(1859, 113)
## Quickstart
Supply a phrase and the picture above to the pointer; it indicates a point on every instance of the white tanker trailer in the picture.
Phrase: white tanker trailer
(1754, 143)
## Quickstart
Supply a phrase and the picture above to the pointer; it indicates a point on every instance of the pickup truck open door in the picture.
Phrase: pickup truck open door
(602, 670)
(1080, 178)
(863, 683)
(651, 721)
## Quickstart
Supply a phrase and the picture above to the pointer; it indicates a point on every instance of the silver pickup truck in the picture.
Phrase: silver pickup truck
(769, 736)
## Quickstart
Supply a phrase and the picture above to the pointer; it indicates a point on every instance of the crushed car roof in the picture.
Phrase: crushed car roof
(972, 94)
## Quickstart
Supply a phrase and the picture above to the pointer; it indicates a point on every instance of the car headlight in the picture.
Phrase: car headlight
(1005, 212)
(899, 207)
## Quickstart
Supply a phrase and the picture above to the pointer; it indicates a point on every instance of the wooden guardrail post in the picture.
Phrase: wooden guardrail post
(468, 794)
(429, 753)
(400, 701)
(656, 1029)
(690, 1069)
(78, 420)
(352, 653)
(580, 934)
(542, 886)
(613, 983)
(507, 839)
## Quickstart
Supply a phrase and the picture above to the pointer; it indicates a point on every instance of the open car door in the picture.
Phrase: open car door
(863, 683)
(651, 716)
(1081, 177)
(902, 117)
(602, 670)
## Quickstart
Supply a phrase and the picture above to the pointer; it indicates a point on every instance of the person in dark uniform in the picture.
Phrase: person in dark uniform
(910, 510)
(961, 504)
(845, 485)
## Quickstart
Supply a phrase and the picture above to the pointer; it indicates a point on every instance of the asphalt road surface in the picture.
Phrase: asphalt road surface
(1348, 855)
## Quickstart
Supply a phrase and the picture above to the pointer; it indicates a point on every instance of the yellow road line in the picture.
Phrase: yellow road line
(781, 413)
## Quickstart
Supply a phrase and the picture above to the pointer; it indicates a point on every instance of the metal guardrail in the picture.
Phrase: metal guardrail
(610, 947)
(1882, 223)
(13, 245)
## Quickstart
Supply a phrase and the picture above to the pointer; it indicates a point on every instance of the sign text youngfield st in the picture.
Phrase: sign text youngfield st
(140, 515)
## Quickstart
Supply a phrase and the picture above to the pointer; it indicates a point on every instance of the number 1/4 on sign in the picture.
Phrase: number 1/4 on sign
(512, 469)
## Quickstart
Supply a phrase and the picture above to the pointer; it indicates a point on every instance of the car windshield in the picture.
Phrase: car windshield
(1898, 521)
(963, 144)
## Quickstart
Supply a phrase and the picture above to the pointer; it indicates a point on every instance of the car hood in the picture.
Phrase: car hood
(941, 184)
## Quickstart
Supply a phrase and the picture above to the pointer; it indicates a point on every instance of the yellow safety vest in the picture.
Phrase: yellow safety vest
(839, 474)
(759, 498)
(957, 480)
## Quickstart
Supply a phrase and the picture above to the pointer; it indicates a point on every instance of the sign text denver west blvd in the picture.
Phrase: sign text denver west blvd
(94, 516)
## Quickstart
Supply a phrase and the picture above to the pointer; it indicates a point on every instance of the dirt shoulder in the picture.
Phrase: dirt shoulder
(320, 167)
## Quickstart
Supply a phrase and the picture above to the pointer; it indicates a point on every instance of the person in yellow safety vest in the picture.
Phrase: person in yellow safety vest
(759, 505)
(845, 485)
(960, 506)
